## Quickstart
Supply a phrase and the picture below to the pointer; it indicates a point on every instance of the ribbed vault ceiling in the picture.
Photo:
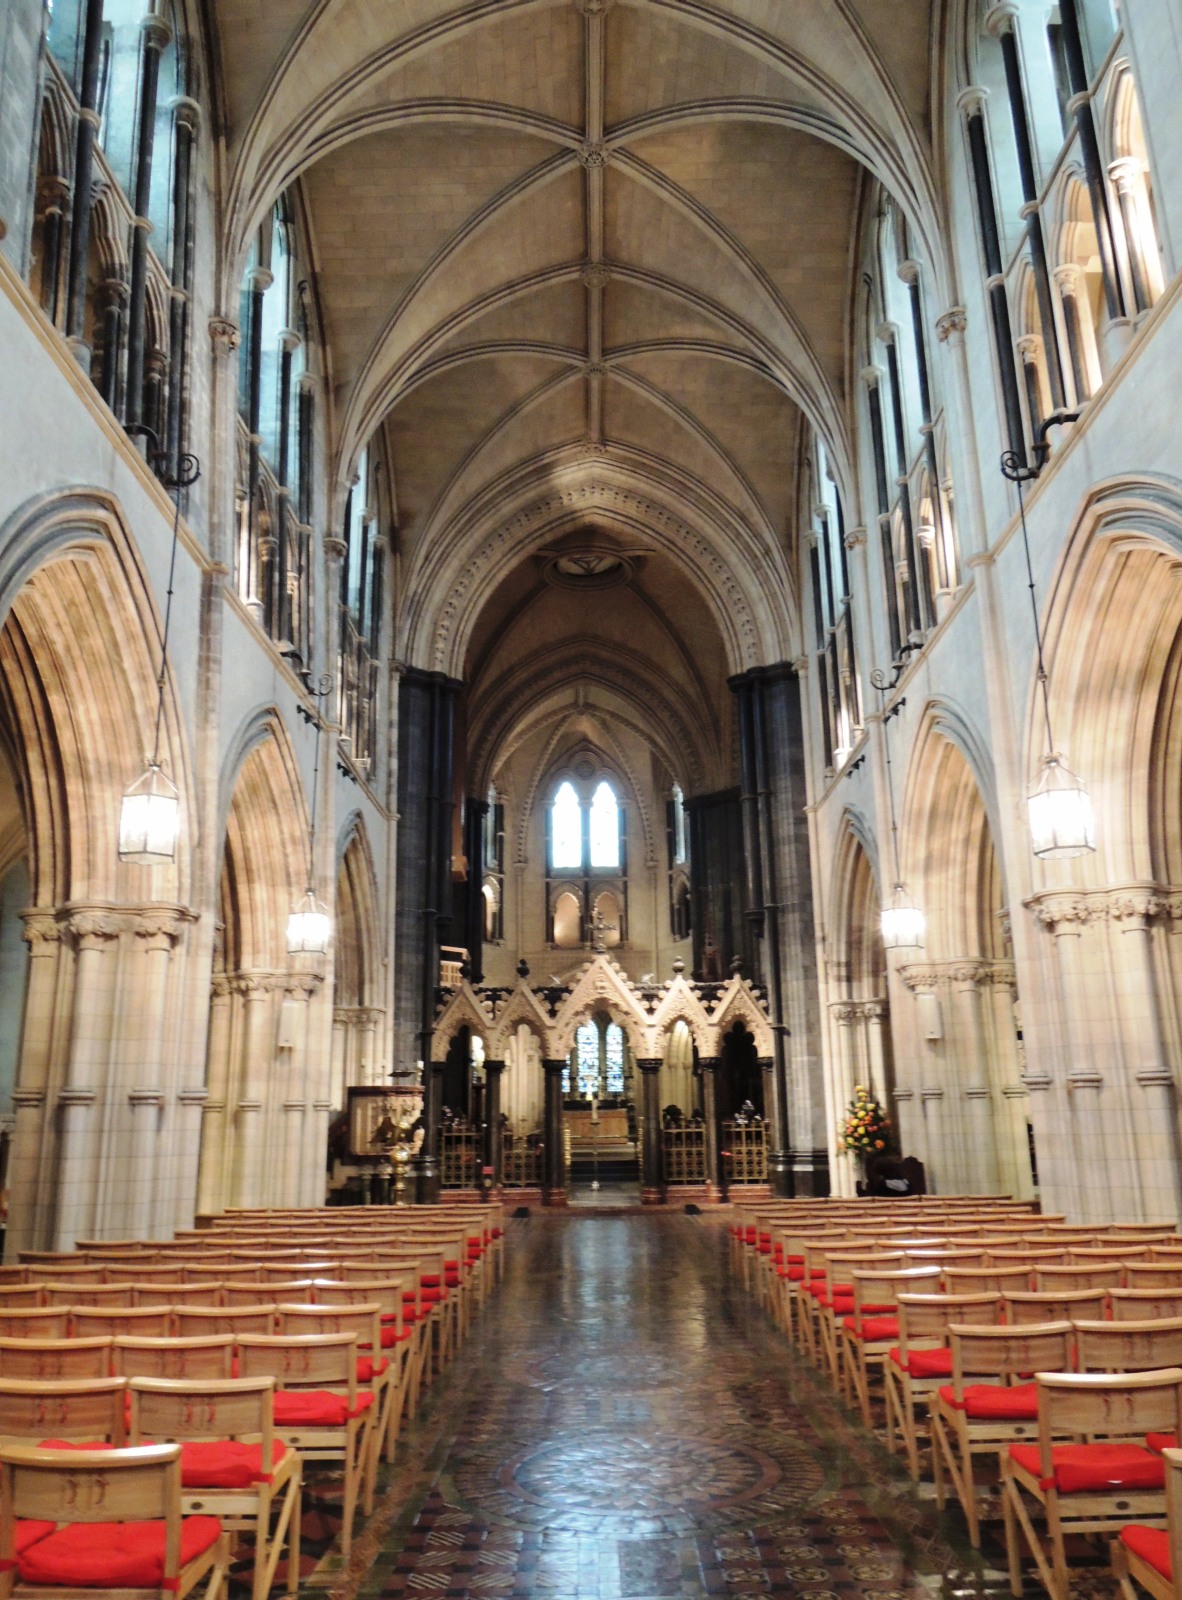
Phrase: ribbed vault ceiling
(577, 248)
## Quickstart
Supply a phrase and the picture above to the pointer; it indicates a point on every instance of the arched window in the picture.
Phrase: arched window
(568, 929)
(605, 827)
(586, 840)
(597, 1059)
(587, 1060)
(566, 829)
(613, 1049)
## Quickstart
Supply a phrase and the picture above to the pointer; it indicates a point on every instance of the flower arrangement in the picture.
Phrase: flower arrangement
(867, 1128)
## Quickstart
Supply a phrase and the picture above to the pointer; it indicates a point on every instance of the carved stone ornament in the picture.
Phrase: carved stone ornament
(952, 324)
(593, 154)
(224, 335)
(594, 8)
(595, 274)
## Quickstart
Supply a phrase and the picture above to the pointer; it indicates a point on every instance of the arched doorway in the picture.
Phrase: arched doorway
(965, 1114)
(358, 1017)
(599, 1105)
(265, 1131)
(104, 1095)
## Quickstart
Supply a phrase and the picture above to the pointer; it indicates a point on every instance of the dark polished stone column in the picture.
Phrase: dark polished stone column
(710, 1066)
(427, 1161)
(494, 1141)
(554, 1173)
(652, 1191)
(86, 134)
(156, 37)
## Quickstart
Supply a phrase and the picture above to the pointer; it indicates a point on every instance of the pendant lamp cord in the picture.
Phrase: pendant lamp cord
(1017, 472)
(879, 680)
(324, 684)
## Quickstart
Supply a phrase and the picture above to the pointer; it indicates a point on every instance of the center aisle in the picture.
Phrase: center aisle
(620, 1426)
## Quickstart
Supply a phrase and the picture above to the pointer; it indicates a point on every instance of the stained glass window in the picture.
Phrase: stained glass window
(614, 1050)
(605, 827)
(587, 1055)
(566, 828)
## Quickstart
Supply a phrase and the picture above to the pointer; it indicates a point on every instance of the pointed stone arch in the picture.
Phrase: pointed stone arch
(358, 1033)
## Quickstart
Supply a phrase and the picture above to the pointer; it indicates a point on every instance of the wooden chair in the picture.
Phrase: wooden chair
(1095, 1487)
(232, 1466)
(1128, 1346)
(81, 1408)
(21, 1296)
(374, 1370)
(207, 1356)
(116, 1526)
(922, 1360)
(1149, 1556)
(55, 1358)
(1154, 1275)
(402, 1345)
(319, 1408)
(70, 1292)
(872, 1327)
(973, 1418)
(986, 1280)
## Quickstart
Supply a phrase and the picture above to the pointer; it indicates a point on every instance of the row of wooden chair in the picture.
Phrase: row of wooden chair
(1035, 1361)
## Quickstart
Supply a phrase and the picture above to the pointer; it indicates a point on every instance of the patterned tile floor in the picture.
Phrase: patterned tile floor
(624, 1425)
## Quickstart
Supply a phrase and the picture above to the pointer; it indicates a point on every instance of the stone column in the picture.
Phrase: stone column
(95, 934)
(1067, 280)
(317, 1105)
(1127, 179)
(554, 1173)
(156, 933)
(24, 1162)
(190, 1108)
(710, 1067)
(142, 1213)
(1151, 1089)
(32, 1161)
(246, 1178)
(156, 36)
(427, 1161)
(211, 1193)
(86, 134)
(652, 1191)
(494, 1143)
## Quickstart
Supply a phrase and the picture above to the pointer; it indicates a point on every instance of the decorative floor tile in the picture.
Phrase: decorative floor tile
(624, 1424)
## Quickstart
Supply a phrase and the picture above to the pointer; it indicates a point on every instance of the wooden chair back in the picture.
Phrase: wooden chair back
(152, 1322)
(302, 1361)
(38, 1322)
(204, 1356)
(80, 1408)
(1101, 1405)
(986, 1280)
(1154, 1275)
(361, 1319)
(1054, 1306)
(178, 1292)
(1071, 1279)
(1141, 1305)
(20, 1296)
(924, 1319)
(232, 1320)
(71, 1486)
(203, 1408)
(55, 1358)
(1005, 1353)
(80, 1293)
(1128, 1346)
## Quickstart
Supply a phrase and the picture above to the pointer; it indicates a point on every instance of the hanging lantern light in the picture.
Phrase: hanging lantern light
(903, 922)
(150, 819)
(1062, 823)
(150, 813)
(309, 927)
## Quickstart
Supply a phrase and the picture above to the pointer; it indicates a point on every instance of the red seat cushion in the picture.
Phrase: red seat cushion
(433, 1296)
(794, 1273)
(391, 1337)
(925, 1363)
(794, 1261)
(29, 1530)
(985, 1402)
(497, 1233)
(1162, 1441)
(317, 1408)
(1152, 1545)
(226, 1464)
(1079, 1468)
(113, 1555)
(872, 1328)
(366, 1370)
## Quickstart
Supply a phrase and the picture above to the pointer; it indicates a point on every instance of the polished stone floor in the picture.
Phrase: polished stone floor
(624, 1425)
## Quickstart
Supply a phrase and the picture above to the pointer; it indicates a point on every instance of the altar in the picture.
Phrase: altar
(612, 1124)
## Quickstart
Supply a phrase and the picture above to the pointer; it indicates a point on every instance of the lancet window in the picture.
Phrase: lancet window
(362, 594)
(273, 566)
(906, 435)
(586, 846)
(596, 1064)
(1065, 210)
(112, 249)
